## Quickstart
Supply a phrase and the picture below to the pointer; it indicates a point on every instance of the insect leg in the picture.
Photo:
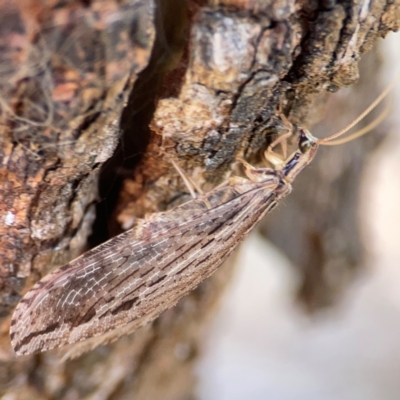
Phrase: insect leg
(274, 158)
(188, 182)
(283, 138)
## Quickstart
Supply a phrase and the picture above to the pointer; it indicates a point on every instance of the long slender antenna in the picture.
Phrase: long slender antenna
(362, 131)
(362, 115)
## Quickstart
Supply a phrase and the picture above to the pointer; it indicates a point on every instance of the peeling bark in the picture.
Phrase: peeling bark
(100, 86)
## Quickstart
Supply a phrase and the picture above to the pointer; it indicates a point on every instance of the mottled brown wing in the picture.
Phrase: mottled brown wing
(135, 276)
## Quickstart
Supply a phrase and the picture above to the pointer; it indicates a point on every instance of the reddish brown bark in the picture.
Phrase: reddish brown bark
(78, 79)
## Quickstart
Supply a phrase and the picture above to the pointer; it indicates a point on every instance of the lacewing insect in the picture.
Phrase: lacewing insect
(128, 281)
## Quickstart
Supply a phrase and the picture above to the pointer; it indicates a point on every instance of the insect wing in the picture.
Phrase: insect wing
(137, 274)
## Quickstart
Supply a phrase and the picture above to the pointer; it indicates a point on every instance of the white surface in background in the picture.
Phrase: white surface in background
(263, 347)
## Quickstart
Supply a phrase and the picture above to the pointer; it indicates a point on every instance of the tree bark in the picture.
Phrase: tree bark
(318, 227)
(91, 91)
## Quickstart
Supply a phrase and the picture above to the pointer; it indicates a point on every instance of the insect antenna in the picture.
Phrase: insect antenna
(328, 141)
(362, 131)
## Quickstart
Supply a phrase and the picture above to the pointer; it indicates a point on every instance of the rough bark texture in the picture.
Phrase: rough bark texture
(317, 227)
(205, 81)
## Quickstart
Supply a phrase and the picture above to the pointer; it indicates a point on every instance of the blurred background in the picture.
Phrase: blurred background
(263, 344)
(87, 80)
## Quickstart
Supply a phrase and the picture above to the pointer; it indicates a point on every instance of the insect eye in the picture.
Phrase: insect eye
(305, 144)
